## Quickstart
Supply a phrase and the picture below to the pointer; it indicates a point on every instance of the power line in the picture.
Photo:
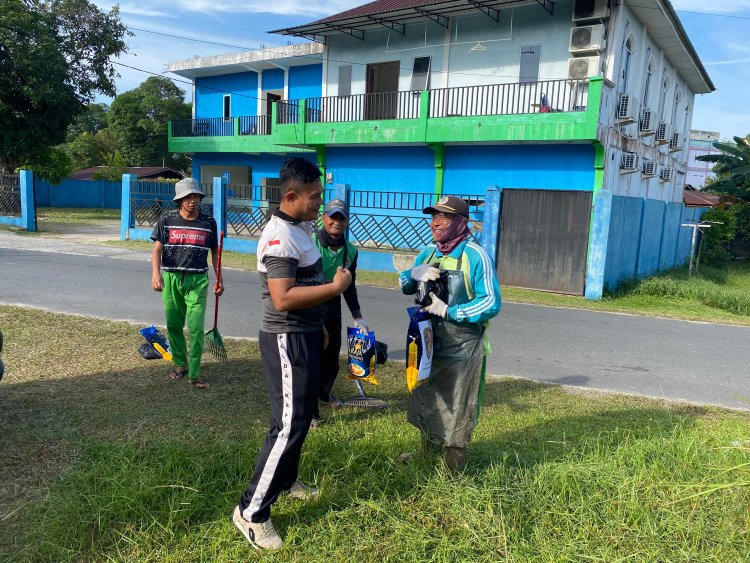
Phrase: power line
(193, 39)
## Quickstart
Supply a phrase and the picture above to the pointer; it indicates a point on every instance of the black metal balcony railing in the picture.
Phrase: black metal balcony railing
(550, 96)
(203, 127)
(388, 105)
(255, 125)
(287, 111)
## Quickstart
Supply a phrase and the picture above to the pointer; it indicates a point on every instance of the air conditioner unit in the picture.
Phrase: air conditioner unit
(666, 174)
(629, 162)
(647, 123)
(587, 39)
(675, 144)
(584, 67)
(663, 135)
(626, 109)
(649, 168)
(584, 10)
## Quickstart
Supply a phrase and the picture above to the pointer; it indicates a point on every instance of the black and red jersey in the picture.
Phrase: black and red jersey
(186, 243)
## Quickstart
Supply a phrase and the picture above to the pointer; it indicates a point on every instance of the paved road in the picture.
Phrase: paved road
(697, 362)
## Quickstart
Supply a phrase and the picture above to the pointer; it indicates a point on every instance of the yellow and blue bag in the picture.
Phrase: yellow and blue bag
(419, 348)
(361, 355)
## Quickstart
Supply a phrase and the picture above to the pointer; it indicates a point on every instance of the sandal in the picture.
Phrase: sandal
(178, 374)
(198, 383)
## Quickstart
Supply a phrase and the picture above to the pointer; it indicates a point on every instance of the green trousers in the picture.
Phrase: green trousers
(184, 297)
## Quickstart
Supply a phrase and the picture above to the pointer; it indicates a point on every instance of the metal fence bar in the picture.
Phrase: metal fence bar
(10, 195)
(255, 125)
(203, 127)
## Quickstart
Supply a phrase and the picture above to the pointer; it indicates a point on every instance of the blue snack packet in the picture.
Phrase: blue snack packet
(360, 355)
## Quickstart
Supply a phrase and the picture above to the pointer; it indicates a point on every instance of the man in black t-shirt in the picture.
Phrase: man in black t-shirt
(182, 239)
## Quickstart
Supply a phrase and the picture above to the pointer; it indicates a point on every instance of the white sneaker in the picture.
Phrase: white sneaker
(260, 535)
(303, 492)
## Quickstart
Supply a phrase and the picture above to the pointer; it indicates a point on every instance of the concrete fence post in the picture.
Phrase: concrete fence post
(598, 242)
(491, 223)
(28, 209)
(125, 208)
(341, 191)
(220, 204)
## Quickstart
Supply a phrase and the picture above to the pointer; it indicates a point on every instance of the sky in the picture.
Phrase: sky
(718, 30)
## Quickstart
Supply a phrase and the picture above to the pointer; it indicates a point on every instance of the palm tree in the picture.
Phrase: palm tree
(732, 167)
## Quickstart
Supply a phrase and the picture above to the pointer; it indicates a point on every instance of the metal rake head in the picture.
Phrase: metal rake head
(217, 352)
(365, 403)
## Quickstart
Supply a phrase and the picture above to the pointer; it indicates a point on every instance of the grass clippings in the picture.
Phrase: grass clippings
(104, 458)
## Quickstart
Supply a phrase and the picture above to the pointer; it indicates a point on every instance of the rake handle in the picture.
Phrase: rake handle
(218, 278)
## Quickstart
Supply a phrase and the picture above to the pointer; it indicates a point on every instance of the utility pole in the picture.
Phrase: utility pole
(697, 226)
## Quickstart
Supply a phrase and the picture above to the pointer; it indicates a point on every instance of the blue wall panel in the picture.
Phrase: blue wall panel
(391, 169)
(210, 91)
(305, 82)
(273, 79)
(651, 235)
(672, 219)
(263, 165)
(624, 237)
(470, 169)
(97, 194)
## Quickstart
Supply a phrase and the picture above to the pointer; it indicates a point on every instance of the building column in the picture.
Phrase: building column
(439, 150)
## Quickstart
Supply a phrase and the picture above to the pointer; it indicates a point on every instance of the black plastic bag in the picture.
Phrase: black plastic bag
(148, 352)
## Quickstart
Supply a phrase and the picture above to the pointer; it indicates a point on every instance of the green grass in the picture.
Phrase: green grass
(103, 458)
(75, 215)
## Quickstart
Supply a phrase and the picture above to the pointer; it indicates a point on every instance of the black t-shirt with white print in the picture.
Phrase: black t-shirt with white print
(186, 243)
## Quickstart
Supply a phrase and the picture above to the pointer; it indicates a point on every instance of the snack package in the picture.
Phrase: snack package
(419, 348)
(361, 355)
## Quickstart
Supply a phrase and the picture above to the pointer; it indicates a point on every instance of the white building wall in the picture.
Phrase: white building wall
(619, 138)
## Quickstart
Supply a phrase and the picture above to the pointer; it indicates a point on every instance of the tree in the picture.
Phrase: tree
(138, 120)
(732, 168)
(54, 57)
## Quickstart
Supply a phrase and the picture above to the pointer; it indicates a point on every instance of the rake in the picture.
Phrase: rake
(214, 342)
(363, 401)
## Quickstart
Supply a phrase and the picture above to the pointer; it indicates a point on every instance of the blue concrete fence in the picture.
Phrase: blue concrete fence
(96, 194)
(368, 259)
(635, 238)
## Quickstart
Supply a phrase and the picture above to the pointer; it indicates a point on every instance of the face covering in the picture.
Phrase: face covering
(454, 234)
(327, 240)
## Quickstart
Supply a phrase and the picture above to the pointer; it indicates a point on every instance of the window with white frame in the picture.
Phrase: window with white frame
(677, 100)
(663, 97)
(649, 75)
(627, 58)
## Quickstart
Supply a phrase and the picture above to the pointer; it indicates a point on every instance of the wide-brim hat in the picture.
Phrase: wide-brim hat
(449, 204)
(185, 187)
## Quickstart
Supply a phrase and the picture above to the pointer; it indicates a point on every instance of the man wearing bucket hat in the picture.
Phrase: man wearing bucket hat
(445, 408)
(336, 251)
(182, 239)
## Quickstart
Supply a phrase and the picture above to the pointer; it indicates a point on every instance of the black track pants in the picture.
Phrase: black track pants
(291, 365)
(329, 363)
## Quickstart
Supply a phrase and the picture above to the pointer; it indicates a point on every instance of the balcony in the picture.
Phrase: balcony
(557, 110)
